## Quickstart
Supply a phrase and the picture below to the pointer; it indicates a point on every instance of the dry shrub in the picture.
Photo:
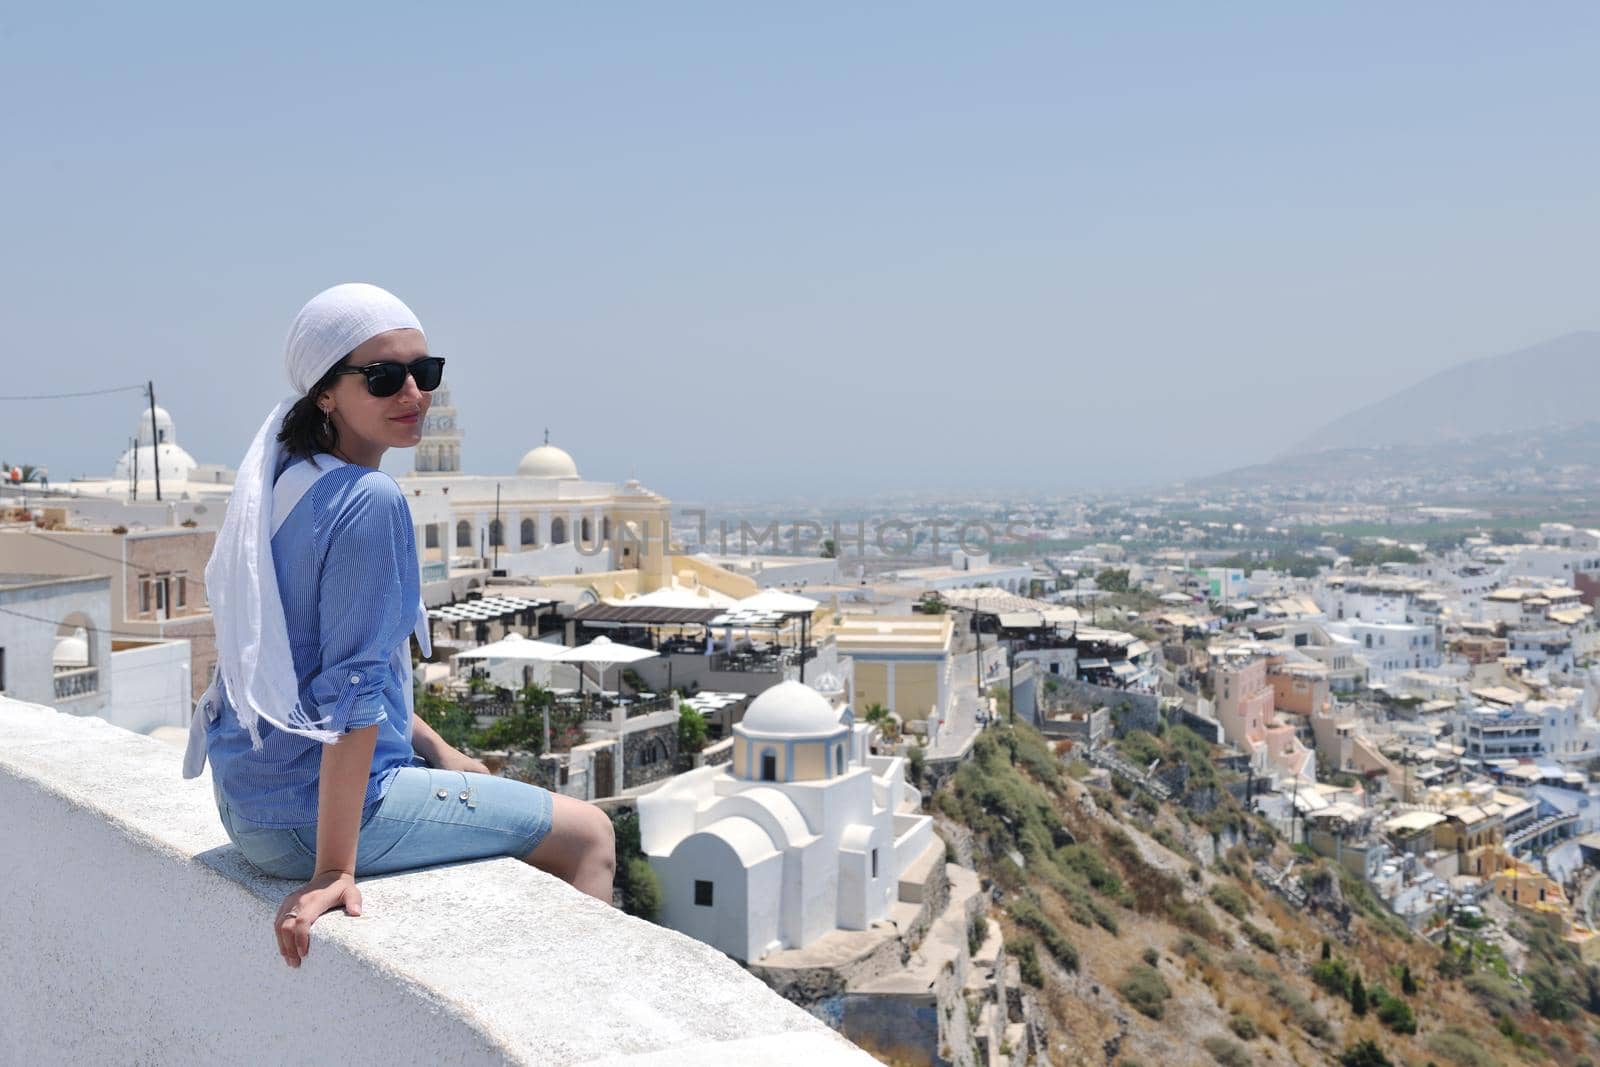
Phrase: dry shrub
(1227, 1051)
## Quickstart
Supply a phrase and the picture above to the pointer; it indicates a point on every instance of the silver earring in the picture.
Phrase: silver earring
(327, 425)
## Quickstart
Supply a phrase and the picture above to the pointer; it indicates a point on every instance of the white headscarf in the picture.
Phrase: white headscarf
(252, 636)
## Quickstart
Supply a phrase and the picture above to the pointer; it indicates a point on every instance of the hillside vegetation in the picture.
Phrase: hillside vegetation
(1150, 940)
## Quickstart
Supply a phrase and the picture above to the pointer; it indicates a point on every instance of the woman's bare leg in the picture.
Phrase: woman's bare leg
(580, 848)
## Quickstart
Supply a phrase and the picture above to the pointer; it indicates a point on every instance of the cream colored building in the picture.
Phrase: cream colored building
(901, 661)
(545, 521)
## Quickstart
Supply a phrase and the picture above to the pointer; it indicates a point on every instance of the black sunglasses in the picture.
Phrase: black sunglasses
(387, 379)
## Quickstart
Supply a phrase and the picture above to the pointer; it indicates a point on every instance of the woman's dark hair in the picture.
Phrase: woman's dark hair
(306, 431)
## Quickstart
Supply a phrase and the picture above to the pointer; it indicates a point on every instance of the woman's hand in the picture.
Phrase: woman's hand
(451, 760)
(305, 905)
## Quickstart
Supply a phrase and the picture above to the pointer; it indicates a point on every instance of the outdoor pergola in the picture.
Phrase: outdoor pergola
(490, 609)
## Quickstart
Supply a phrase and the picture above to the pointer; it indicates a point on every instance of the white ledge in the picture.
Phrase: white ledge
(133, 931)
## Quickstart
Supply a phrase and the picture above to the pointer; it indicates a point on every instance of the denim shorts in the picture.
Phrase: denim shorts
(427, 817)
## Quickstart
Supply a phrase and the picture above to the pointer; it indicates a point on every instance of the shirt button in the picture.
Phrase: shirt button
(441, 794)
(354, 679)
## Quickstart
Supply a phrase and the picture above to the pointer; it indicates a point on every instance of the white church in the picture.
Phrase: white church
(805, 833)
(545, 519)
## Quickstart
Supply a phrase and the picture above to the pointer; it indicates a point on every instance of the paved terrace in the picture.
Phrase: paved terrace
(133, 932)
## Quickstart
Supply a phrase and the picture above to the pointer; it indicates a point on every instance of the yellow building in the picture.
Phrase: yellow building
(901, 661)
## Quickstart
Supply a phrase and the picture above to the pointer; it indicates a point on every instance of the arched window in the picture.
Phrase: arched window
(74, 659)
(530, 532)
(769, 766)
(496, 533)
(586, 530)
(463, 534)
(558, 531)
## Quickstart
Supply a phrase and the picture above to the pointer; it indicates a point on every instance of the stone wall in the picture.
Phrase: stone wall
(1142, 711)
(134, 932)
(636, 748)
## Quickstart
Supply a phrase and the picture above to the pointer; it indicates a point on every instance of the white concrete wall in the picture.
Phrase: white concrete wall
(152, 684)
(30, 644)
(135, 933)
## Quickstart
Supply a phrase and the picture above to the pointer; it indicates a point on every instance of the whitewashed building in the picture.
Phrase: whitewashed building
(805, 833)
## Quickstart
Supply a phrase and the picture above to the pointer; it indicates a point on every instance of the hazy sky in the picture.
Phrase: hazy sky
(742, 250)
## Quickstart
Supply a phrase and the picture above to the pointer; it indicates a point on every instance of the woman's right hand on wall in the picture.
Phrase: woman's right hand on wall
(292, 924)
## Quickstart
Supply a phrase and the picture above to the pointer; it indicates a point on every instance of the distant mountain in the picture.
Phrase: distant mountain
(1563, 459)
(1556, 383)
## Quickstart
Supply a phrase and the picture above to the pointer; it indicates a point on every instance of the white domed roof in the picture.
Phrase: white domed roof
(547, 461)
(175, 462)
(71, 651)
(163, 425)
(790, 709)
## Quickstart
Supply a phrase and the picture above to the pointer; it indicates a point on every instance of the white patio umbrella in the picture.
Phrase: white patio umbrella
(604, 653)
(678, 597)
(515, 646)
(778, 600)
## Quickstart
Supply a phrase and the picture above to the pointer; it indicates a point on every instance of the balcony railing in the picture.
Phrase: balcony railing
(760, 662)
(435, 571)
(598, 710)
(77, 683)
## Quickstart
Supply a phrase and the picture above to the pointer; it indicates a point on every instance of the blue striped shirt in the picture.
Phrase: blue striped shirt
(346, 561)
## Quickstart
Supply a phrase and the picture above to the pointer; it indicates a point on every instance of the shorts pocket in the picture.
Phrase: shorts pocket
(279, 853)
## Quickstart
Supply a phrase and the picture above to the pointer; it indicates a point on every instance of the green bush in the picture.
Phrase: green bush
(1259, 938)
(642, 896)
(1144, 988)
(1231, 899)
(1193, 916)
(977, 933)
(1226, 1052)
(1461, 1048)
(1026, 912)
(1498, 996)
(1027, 957)
(1364, 1053)
(692, 729)
(638, 888)
(1190, 947)
(1396, 1014)
(1333, 975)
(1086, 860)
(1243, 1027)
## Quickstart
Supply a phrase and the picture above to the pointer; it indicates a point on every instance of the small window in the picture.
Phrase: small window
(183, 591)
(769, 767)
(144, 596)
(529, 532)
(463, 534)
(430, 536)
(161, 594)
(495, 533)
(874, 863)
(702, 894)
